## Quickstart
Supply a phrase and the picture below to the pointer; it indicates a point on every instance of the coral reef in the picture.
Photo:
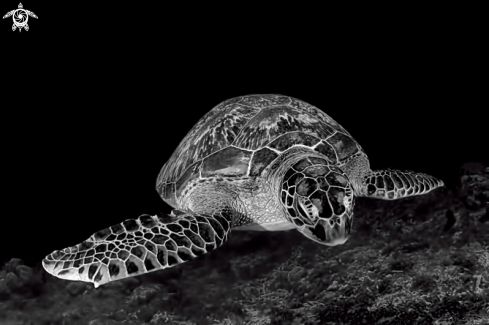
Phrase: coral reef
(420, 260)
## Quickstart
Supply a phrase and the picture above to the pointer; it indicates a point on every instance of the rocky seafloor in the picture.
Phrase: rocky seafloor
(419, 260)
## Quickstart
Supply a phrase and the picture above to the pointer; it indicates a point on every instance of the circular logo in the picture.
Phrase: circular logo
(20, 17)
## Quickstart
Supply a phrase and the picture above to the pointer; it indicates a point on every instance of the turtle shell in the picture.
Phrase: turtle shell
(243, 135)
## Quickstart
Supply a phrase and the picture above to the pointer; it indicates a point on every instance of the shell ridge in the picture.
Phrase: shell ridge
(244, 126)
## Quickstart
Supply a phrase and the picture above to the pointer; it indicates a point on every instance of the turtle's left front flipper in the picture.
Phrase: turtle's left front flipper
(395, 184)
(138, 246)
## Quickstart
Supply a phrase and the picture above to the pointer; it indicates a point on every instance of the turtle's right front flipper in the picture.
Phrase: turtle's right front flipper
(138, 246)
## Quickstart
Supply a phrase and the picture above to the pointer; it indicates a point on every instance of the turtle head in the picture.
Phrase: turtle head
(318, 200)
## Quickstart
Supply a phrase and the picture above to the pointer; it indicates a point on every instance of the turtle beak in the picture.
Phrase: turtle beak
(331, 232)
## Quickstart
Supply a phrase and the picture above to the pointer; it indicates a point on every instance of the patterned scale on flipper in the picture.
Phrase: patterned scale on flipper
(138, 246)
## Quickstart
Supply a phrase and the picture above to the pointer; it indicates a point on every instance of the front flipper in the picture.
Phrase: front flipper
(138, 246)
(395, 184)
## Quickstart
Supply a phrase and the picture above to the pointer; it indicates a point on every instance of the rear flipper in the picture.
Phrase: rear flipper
(395, 184)
(138, 246)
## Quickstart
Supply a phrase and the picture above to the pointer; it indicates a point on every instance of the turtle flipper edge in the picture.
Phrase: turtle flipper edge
(8, 14)
(139, 246)
(396, 184)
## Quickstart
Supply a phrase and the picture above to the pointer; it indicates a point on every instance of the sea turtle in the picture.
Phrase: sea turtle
(20, 17)
(256, 162)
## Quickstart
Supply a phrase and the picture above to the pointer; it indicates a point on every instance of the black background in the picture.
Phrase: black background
(96, 98)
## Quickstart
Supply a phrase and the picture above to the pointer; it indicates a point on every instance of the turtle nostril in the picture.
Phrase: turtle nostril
(371, 189)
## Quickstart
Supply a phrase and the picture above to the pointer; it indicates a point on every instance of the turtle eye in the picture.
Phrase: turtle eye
(315, 207)
(307, 211)
(321, 202)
